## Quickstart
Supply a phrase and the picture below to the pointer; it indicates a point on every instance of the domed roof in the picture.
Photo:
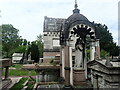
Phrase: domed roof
(75, 19)
(76, 16)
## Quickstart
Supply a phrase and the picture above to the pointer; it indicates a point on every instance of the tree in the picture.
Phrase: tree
(40, 38)
(24, 42)
(39, 42)
(11, 41)
(34, 52)
(106, 40)
(10, 38)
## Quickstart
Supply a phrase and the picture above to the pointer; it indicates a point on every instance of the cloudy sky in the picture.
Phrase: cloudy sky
(28, 15)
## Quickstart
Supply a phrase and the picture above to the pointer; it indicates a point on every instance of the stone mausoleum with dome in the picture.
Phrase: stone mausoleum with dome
(66, 42)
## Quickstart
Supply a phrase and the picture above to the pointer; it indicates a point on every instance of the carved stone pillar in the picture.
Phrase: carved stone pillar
(67, 67)
(92, 51)
(63, 62)
(97, 49)
(85, 63)
(41, 76)
(71, 65)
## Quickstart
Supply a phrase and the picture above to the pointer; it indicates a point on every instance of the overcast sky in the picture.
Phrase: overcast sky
(28, 15)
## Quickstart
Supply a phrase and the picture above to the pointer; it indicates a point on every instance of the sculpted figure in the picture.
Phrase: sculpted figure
(78, 53)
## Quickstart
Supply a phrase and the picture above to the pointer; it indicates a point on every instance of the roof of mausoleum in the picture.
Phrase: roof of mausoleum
(76, 18)
(52, 24)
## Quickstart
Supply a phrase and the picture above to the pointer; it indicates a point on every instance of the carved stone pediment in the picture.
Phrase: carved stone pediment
(101, 67)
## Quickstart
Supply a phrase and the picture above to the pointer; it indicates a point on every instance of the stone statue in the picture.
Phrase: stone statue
(78, 53)
(29, 56)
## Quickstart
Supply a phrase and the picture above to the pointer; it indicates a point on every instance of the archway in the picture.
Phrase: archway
(75, 34)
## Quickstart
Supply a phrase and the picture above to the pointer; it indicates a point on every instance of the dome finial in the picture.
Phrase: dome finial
(76, 10)
(76, 4)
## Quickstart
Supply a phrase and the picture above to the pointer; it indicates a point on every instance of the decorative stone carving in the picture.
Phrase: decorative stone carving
(78, 53)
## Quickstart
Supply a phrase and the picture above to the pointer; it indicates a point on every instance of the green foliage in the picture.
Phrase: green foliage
(104, 54)
(51, 61)
(11, 41)
(39, 42)
(106, 40)
(18, 71)
(40, 38)
(19, 49)
(34, 52)
(88, 54)
(0, 49)
(17, 66)
(19, 85)
(24, 42)
(10, 38)
(114, 50)
(30, 85)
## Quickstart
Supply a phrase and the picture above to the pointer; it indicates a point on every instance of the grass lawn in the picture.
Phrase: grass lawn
(18, 71)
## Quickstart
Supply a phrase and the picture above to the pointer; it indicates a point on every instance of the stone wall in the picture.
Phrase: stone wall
(51, 40)
(103, 76)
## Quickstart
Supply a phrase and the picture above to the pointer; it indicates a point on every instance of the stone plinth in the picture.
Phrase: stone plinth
(79, 76)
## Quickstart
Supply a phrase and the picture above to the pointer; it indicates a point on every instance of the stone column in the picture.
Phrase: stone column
(85, 63)
(92, 51)
(45, 77)
(97, 49)
(6, 72)
(63, 62)
(37, 76)
(71, 65)
(67, 68)
(41, 76)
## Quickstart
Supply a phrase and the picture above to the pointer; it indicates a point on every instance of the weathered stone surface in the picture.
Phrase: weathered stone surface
(6, 62)
(79, 76)
(40, 67)
(104, 76)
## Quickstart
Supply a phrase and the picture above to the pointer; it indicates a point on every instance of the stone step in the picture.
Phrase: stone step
(6, 84)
